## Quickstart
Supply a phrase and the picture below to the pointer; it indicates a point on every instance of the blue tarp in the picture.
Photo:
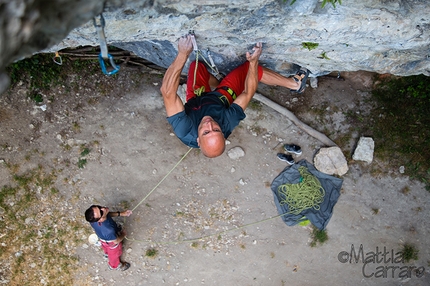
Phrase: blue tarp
(319, 218)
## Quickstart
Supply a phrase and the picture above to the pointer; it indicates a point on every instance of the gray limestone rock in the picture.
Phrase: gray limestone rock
(371, 35)
(364, 150)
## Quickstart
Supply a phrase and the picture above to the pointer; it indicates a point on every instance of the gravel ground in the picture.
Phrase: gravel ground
(210, 221)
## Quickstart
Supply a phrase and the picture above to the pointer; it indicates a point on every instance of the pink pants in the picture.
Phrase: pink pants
(114, 252)
(234, 80)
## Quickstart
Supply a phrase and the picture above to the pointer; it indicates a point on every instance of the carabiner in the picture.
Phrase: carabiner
(57, 56)
(112, 63)
(211, 60)
(193, 39)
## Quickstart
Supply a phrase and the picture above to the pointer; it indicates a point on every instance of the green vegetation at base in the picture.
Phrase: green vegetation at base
(41, 235)
(39, 70)
(318, 236)
(41, 73)
(401, 124)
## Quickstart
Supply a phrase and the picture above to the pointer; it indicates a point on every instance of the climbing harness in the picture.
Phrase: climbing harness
(214, 71)
(210, 64)
(57, 59)
(104, 55)
(308, 193)
(229, 90)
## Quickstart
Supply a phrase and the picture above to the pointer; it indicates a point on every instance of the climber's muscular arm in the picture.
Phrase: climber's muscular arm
(172, 101)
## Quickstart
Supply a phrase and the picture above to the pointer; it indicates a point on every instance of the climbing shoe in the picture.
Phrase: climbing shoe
(291, 148)
(286, 158)
(301, 76)
(122, 266)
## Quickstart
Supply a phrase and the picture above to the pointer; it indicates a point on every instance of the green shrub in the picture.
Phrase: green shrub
(39, 70)
(401, 122)
(309, 45)
(409, 252)
(318, 236)
(151, 252)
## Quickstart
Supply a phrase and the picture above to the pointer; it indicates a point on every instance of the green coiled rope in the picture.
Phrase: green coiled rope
(308, 193)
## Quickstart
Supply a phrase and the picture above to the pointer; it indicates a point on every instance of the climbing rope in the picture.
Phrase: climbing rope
(162, 180)
(156, 186)
(209, 235)
(192, 239)
(308, 193)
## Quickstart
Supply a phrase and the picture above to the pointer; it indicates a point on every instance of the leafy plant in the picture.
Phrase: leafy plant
(151, 252)
(333, 2)
(324, 56)
(85, 152)
(82, 163)
(39, 70)
(82, 160)
(309, 45)
(409, 252)
(37, 97)
(318, 236)
(41, 73)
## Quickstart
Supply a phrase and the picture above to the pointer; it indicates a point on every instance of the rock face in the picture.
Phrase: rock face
(390, 36)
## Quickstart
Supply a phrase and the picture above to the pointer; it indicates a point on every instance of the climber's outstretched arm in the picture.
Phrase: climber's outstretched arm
(251, 81)
(172, 101)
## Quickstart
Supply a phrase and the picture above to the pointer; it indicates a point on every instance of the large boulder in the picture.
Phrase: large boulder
(331, 161)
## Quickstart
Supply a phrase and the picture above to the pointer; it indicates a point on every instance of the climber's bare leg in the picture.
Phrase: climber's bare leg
(273, 78)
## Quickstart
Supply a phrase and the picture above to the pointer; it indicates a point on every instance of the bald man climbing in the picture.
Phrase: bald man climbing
(213, 109)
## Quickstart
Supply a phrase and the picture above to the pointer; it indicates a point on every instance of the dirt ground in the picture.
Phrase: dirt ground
(195, 217)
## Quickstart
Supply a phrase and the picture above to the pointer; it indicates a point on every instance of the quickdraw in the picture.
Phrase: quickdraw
(213, 66)
(210, 64)
(104, 55)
